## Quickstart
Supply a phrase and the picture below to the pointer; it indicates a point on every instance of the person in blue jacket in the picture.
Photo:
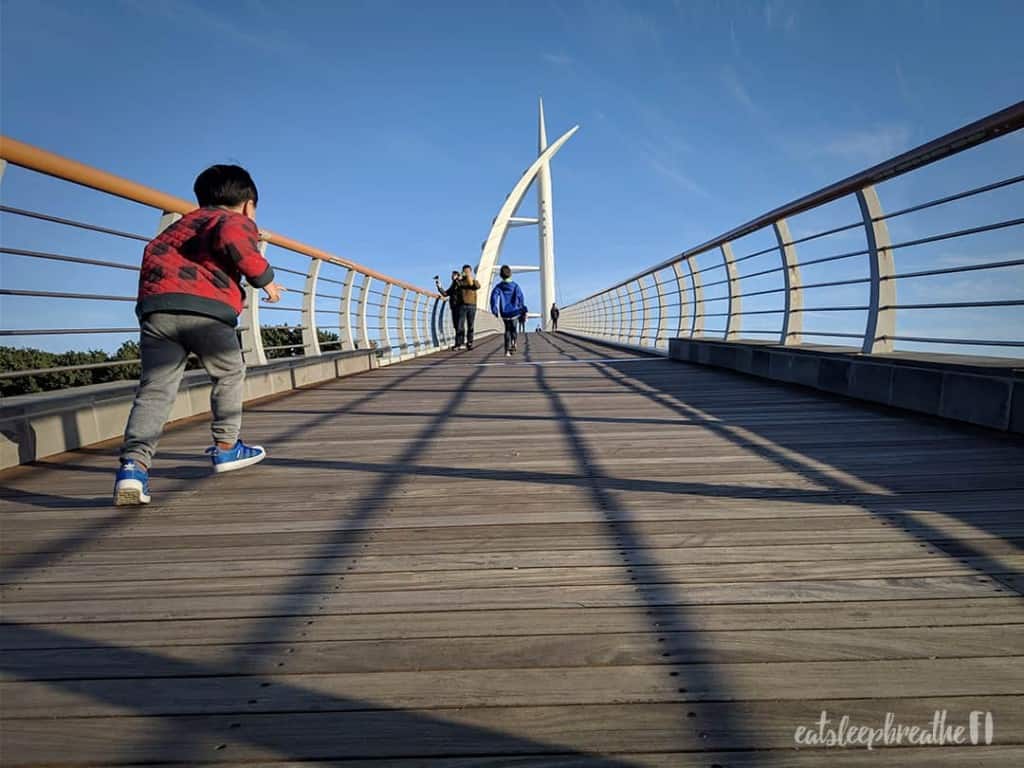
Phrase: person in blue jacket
(507, 303)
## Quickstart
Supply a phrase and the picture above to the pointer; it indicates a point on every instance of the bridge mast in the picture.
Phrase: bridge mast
(539, 172)
(545, 218)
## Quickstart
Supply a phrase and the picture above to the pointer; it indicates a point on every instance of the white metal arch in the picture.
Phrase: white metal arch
(504, 220)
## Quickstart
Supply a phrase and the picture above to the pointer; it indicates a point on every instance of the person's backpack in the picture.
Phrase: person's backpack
(511, 308)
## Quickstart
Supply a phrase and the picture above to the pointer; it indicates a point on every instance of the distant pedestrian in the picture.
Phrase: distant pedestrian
(522, 321)
(507, 303)
(454, 295)
(190, 296)
(469, 285)
(554, 317)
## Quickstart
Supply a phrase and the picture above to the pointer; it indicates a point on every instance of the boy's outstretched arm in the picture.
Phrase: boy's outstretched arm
(238, 240)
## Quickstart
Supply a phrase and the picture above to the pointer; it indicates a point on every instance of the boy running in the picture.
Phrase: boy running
(190, 296)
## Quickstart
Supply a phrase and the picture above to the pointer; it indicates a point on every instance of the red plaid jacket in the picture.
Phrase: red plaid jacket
(196, 266)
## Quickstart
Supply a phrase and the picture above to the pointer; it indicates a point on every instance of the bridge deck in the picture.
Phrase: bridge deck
(592, 559)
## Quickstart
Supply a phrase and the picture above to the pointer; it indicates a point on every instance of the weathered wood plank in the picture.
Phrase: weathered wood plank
(585, 730)
(567, 622)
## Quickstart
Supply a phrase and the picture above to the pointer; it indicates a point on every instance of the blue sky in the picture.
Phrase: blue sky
(389, 132)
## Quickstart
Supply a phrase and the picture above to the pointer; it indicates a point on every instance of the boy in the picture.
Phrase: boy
(190, 296)
(467, 312)
(454, 296)
(507, 303)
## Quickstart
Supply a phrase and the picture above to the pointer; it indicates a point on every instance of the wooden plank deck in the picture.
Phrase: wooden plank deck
(584, 558)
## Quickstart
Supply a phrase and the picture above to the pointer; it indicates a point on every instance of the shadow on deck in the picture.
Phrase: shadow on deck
(581, 557)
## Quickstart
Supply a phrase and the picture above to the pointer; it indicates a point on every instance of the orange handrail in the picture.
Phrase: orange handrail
(40, 160)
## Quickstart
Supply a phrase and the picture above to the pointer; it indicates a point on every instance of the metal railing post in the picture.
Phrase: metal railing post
(697, 286)
(645, 312)
(732, 320)
(621, 296)
(881, 320)
(608, 315)
(252, 337)
(684, 303)
(417, 336)
(661, 333)
(310, 334)
(383, 330)
(426, 324)
(345, 310)
(437, 336)
(364, 295)
(792, 318)
(403, 337)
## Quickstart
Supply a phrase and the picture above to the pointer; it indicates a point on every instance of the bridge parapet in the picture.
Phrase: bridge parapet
(825, 269)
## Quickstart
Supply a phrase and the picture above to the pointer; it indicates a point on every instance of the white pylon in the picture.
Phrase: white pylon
(540, 171)
(546, 225)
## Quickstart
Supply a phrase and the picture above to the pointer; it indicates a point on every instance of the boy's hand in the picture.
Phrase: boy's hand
(273, 292)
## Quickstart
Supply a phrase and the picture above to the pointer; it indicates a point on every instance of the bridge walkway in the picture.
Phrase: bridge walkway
(582, 557)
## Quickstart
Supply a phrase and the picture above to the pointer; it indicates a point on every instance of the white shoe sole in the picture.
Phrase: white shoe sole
(241, 463)
(129, 493)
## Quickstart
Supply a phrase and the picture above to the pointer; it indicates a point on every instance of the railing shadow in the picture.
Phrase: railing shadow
(874, 489)
(694, 675)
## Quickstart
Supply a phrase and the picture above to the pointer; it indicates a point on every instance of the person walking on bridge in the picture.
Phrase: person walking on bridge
(554, 317)
(454, 295)
(190, 296)
(522, 321)
(469, 285)
(508, 304)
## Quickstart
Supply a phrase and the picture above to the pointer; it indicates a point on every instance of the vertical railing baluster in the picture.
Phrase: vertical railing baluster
(364, 298)
(732, 320)
(662, 333)
(403, 337)
(417, 334)
(684, 304)
(606, 314)
(881, 319)
(310, 335)
(622, 297)
(427, 319)
(345, 310)
(383, 330)
(792, 318)
(644, 311)
(436, 332)
(253, 352)
(697, 287)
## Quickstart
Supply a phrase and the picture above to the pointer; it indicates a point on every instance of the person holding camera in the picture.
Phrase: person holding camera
(454, 295)
(468, 285)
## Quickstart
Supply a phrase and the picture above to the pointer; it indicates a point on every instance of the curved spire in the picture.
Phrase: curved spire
(496, 237)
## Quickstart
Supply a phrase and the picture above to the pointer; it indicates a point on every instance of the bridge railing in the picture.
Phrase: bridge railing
(331, 303)
(828, 267)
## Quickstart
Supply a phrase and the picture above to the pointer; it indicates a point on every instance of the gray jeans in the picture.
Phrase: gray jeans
(166, 341)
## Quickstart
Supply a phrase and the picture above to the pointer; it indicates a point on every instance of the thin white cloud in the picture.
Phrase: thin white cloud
(680, 179)
(869, 145)
(558, 59)
(780, 15)
(736, 88)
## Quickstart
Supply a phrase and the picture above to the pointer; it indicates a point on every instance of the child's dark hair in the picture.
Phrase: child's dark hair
(228, 185)
(506, 272)
(466, 266)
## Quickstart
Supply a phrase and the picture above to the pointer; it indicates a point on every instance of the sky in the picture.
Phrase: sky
(390, 132)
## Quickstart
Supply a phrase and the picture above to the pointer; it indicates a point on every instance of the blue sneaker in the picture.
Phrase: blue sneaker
(131, 486)
(239, 457)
